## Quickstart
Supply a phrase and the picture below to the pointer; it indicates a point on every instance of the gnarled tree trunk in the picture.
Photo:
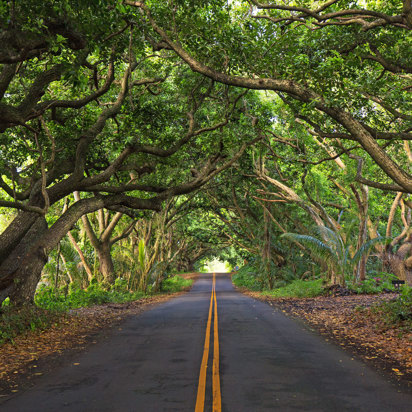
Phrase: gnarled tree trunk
(20, 271)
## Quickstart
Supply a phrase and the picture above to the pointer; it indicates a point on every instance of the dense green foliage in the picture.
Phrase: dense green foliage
(95, 294)
(298, 289)
(375, 283)
(72, 298)
(397, 311)
(176, 284)
(247, 277)
(143, 138)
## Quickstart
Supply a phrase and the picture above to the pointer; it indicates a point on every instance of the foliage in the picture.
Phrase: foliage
(71, 297)
(298, 289)
(15, 321)
(329, 103)
(376, 283)
(333, 250)
(397, 312)
(247, 277)
(176, 284)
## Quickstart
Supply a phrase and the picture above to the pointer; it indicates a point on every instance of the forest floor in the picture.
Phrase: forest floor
(349, 322)
(36, 352)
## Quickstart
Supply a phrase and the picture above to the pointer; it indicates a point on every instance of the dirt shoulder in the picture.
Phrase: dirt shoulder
(34, 353)
(340, 320)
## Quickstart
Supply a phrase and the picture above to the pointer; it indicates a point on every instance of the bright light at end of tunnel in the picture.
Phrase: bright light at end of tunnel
(217, 266)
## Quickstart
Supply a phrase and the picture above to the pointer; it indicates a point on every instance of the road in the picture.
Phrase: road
(202, 349)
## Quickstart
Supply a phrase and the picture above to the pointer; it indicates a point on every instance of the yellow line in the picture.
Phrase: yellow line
(217, 399)
(200, 400)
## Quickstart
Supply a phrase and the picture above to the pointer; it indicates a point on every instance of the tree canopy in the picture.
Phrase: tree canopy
(263, 118)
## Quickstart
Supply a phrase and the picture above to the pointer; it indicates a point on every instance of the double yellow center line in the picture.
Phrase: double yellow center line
(201, 389)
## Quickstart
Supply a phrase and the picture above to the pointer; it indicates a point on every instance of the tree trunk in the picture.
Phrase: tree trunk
(21, 270)
(266, 252)
(28, 248)
(81, 255)
(106, 266)
(359, 272)
(67, 269)
(15, 232)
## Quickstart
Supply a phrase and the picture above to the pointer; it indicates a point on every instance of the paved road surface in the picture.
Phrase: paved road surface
(263, 360)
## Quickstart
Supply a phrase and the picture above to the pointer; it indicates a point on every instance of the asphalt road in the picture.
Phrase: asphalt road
(265, 362)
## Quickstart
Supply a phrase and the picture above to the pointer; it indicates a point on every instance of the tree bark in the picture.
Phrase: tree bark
(106, 266)
(363, 205)
(21, 271)
(81, 255)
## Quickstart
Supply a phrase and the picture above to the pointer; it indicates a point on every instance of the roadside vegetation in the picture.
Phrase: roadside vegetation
(392, 313)
(396, 313)
(19, 321)
(288, 285)
(51, 305)
(139, 140)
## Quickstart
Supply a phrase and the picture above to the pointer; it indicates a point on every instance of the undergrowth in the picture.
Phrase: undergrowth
(378, 283)
(71, 297)
(176, 284)
(298, 289)
(286, 286)
(396, 312)
(246, 277)
(16, 321)
(50, 304)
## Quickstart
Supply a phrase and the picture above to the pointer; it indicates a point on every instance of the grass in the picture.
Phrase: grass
(298, 289)
(50, 305)
(176, 284)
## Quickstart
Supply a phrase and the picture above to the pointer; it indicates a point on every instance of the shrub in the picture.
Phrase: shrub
(397, 312)
(72, 297)
(176, 284)
(378, 283)
(298, 289)
(246, 277)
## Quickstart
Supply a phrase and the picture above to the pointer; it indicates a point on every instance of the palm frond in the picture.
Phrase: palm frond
(367, 246)
(142, 254)
(319, 249)
(69, 252)
(333, 239)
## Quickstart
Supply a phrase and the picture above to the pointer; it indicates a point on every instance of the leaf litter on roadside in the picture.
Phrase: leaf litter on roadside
(18, 359)
(351, 322)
